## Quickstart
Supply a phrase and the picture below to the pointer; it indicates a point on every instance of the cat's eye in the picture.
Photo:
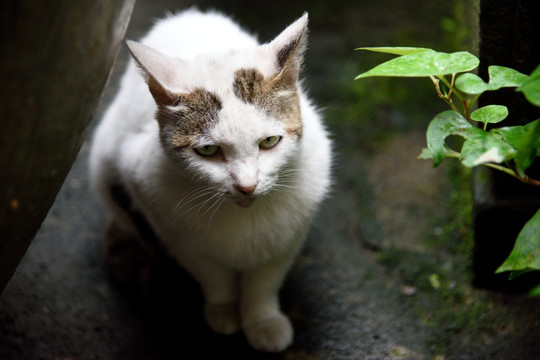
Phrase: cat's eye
(269, 142)
(207, 150)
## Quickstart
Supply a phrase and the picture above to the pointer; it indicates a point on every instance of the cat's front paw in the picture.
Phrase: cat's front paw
(223, 318)
(273, 334)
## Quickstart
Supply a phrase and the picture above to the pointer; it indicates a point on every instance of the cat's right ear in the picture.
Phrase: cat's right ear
(288, 48)
(157, 70)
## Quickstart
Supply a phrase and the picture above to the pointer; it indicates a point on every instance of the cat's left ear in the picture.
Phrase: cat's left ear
(159, 71)
(289, 47)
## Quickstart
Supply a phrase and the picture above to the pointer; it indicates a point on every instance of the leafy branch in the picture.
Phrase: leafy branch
(510, 149)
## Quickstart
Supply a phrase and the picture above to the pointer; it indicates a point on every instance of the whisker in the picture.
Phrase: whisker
(220, 202)
(188, 199)
(190, 193)
(204, 203)
(286, 186)
(195, 197)
(190, 211)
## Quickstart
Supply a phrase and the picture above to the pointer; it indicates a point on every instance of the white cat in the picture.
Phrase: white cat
(221, 151)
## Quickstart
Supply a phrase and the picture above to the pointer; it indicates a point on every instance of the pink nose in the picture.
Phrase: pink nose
(246, 190)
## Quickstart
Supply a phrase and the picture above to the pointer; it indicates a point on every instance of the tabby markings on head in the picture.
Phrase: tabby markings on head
(277, 96)
(190, 116)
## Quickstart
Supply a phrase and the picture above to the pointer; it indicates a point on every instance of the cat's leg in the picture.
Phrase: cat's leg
(220, 288)
(221, 302)
(265, 326)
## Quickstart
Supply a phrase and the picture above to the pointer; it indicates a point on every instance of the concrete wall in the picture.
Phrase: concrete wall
(56, 58)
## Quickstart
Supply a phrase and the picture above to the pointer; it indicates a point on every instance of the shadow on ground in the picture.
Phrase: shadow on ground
(384, 274)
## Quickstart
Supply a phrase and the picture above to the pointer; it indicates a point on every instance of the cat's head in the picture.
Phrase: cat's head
(233, 118)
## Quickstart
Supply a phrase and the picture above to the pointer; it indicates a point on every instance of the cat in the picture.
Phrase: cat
(212, 141)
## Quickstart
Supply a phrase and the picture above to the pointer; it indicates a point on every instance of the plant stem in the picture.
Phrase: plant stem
(530, 181)
(526, 179)
(446, 97)
(474, 100)
(453, 154)
(467, 106)
(503, 169)
(436, 83)
(451, 104)
(466, 110)
(451, 86)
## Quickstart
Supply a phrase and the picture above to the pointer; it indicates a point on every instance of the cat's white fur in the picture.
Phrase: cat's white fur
(239, 254)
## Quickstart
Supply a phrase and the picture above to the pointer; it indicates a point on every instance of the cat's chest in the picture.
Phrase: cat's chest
(237, 236)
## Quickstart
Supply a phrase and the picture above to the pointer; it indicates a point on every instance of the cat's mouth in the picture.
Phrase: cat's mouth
(245, 202)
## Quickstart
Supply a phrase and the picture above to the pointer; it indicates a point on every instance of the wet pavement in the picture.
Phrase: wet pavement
(385, 271)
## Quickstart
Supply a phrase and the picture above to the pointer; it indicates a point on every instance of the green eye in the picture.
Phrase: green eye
(269, 142)
(207, 150)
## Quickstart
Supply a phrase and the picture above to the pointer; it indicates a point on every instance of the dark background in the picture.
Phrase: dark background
(385, 273)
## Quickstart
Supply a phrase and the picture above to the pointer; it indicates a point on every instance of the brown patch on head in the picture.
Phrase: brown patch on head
(188, 118)
(278, 96)
(248, 85)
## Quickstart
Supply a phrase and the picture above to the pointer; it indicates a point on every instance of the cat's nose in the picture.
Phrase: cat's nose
(246, 189)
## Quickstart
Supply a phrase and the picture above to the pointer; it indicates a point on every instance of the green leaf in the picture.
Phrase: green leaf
(518, 273)
(471, 84)
(535, 291)
(526, 140)
(499, 76)
(425, 154)
(531, 87)
(435, 281)
(526, 252)
(513, 135)
(485, 147)
(528, 147)
(479, 147)
(395, 50)
(425, 63)
(490, 114)
(443, 125)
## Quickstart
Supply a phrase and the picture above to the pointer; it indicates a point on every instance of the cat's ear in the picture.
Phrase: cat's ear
(158, 70)
(289, 47)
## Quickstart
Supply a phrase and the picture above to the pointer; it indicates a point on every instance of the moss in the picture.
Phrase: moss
(445, 302)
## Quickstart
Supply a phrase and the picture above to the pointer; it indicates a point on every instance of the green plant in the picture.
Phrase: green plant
(510, 149)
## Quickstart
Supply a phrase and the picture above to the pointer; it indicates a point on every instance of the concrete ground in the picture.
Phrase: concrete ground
(385, 271)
